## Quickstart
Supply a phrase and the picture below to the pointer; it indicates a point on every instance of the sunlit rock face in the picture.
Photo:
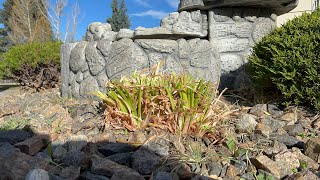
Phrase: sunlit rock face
(278, 6)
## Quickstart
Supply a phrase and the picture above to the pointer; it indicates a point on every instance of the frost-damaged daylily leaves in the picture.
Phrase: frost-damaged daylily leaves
(178, 103)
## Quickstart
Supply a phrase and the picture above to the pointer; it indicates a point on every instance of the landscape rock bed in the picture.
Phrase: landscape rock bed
(254, 142)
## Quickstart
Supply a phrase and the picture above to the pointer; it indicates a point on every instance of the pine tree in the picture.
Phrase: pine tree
(5, 14)
(119, 19)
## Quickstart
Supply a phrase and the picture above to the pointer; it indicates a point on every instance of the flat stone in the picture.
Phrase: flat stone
(290, 141)
(312, 149)
(265, 163)
(14, 136)
(158, 32)
(240, 30)
(246, 123)
(33, 145)
(37, 174)
(230, 44)
(125, 33)
(114, 148)
(158, 45)
(109, 35)
(127, 174)
(145, 161)
(294, 130)
(106, 167)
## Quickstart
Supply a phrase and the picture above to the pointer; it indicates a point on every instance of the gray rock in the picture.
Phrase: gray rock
(121, 158)
(274, 110)
(158, 32)
(37, 174)
(259, 110)
(127, 174)
(267, 175)
(106, 167)
(18, 165)
(290, 141)
(43, 155)
(6, 149)
(169, 20)
(158, 45)
(286, 162)
(246, 123)
(74, 158)
(78, 77)
(125, 33)
(88, 86)
(90, 176)
(109, 35)
(230, 63)
(72, 172)
(312, 149)
(145, 161)
(75, 89)
(266, 164)
(104, 46)
(59, 152)
(159, 146)
(65, 52)
(78, 58)
(190, 4)
(263, 26)
(248, 176)
(94, 59)
(273, 123)
(125, 58)
(96, 30)
(184, 49)
(230, 44)
(14, 136)
(114, 148)
(162, 176)
(214, 168)
(77, 142)
(241, 166)
(102, 80)
(240, 30)
(294, 130)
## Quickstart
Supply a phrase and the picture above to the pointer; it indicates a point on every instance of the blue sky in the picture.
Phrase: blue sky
(147, 13)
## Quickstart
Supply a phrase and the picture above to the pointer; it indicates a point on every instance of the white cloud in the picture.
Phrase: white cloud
(173, 3)
(153, 13)
(143, 3)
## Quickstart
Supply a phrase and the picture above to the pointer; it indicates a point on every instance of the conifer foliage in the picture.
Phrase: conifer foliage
(119, 19)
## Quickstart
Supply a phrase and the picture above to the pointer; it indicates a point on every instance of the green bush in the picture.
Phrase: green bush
(35, 65)
(287, 62)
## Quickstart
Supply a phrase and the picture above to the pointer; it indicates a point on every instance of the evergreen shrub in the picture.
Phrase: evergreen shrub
(288, 62)
(36, 65)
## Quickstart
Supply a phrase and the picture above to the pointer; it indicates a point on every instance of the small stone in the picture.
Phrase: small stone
(33, 145)
(162, 176)
(273, 123)
(246, 123)
(312, 149)
(74, 158)
(263, 129)
(259, 110)
(14, 136)
(274, 110)
(289, 117)
(265, 163)
(90, 176)
(214, 168)
(125, 33)
(305, 175)
(59, 152)
(248, 176)
(114, 148)
(72, 172)
(127, 174)
(121, 158)
(294, 130)
(232, 172)
(159, 146)
(305, 159)
(37, 174)
(7, 149)
(184, 171)
(106, 167)
(43, 155)
(138, 137)
(290, 141)
(145, 161)
(76, 143)
(275, 149)
(240, 165)
(286, 162)
(267, 175)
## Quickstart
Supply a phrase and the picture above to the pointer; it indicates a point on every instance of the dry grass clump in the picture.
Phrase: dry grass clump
(178, 103)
